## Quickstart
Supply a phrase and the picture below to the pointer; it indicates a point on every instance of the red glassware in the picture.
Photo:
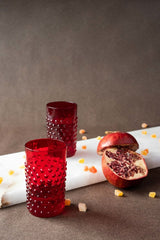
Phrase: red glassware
(62, 124)
(45, 171)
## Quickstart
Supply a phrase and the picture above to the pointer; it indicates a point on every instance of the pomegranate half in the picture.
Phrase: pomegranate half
(123, 168)
(117, 139)
(121, 165)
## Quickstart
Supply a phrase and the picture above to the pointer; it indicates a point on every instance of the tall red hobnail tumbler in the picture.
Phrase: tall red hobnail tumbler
(45, 171)
(61, 119)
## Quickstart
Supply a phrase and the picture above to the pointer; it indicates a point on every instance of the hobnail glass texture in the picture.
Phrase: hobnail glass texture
(45, 171)
(61, 120)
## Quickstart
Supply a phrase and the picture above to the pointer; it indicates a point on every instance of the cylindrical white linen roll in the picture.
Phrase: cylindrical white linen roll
(12, 172)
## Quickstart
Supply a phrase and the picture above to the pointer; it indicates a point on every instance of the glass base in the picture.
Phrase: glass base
(43, 214)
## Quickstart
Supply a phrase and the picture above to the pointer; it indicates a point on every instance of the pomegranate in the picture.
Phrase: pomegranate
(121, 165)
(117, 139)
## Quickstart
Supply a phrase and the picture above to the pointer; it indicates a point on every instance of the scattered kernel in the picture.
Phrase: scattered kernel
(144, 125)
(145, 152)
(159, 140)
(82, 207)
(81, 160)
(22, 167)
(84, 147)
(82, 131)
(152, 194)
(1, 180)
(84, 138)
(92, 169)
(153, 135)
(11, 172)
(99, 138)
(67, 202)
(144, 132)
(107, 132)
(24, 156)
(86, 168)
(118, 193)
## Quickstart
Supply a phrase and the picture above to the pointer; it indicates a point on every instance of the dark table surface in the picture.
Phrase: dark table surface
(134, 216)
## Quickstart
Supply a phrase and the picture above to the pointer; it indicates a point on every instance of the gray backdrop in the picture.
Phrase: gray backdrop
(103, 55)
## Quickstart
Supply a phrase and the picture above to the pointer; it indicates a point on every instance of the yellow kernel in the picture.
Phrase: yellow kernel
(24, 156)
(98, 138)
(144, 125)
(67, 202)
(118, 193)
(86, 168)
(11, 172)
(22, 167)
(153, 135)
(81, 160)
(152, 194)
(144, 152)
(1, 180)
(144, 132)
(84, 138)
(84, 147)
(107, 132)
(82, 131)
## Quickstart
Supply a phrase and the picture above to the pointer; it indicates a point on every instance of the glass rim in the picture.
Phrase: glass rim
(46, 140)
(56, 105)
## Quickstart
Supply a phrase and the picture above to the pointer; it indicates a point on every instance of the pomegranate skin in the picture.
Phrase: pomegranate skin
(117, 139)
(118, 181)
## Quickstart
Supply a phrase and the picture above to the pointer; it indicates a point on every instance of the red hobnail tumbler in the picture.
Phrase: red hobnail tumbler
(45, 171)
(61, 119)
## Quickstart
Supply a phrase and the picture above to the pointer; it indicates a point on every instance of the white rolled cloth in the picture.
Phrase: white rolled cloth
(12, 171)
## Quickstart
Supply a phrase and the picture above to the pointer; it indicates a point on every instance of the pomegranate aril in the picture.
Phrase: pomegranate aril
(122, 162)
